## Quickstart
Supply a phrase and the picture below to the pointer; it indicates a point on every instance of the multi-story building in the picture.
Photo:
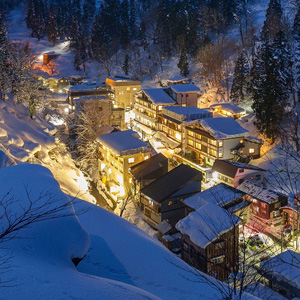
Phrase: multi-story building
(77, 91)
(119, 152)
(173, 119)
(162, 199)
(185, 94)
(123, 89)
(118, 118)
(235, 173)
(209, 240)
(265, 203)
(148, 106)
(228, 109)
(213, 138)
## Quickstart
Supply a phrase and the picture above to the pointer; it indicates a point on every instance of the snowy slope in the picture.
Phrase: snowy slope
(31, 140)
(120, 251)
(41, 266)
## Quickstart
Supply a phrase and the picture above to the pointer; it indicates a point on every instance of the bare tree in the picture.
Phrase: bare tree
(214, 60)
(16, 216)
(93, 120)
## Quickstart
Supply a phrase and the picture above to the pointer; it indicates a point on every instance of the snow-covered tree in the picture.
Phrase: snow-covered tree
(183, 64)
(270, 84)
(241, 71)
(4, 67)
(92, 121)
(52, 30)
(126, 65)
(296, 35)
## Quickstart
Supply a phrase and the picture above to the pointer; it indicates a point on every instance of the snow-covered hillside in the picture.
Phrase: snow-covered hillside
(41, 264)
(23, 139)
(122, 262)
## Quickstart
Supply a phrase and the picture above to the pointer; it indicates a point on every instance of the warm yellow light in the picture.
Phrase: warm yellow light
(178, 136)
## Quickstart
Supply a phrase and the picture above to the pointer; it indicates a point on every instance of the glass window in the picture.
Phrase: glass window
(241, 170)
(220, 144)
(131, 160)
(251, 150)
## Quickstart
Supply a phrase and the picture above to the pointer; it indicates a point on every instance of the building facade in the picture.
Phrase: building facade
(123, 89)
(148, 106)
(119, 152)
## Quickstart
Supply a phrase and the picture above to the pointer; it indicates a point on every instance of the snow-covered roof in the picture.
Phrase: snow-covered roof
(186, 110)
(220, 194)
(207, 224)
(158, 96)
(285, 267)
(229, 107)
(123, 142)
(83, 87)
(254, 139)
(185, 88)
(230, 168)
(223, 128)
(258, 191)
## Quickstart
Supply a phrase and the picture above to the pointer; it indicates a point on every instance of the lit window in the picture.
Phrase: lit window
(198, 146)
(128, 89)
(130, 180)
(220, 144)
(170, 203)
(131, 160)
(190, 142)
(251, 150)
(146, 157)
(178, 136)
(134, 89)
(220, 154)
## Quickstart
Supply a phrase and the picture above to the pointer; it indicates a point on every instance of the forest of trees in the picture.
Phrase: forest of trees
(175, 27)
(267, 63)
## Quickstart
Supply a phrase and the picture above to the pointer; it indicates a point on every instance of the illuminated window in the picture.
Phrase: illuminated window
(170, 203)
(220, 144)
(251, 150)
(178, 136)
(130, 180)
(190, 142)
(146, 157)
(134, 89)
(220, 154)
(128, 89)
(131, 160)
(198, 146)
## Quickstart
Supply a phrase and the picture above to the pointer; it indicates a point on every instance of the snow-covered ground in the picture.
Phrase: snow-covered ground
(26, 140)
(122, 262)
(41, 264)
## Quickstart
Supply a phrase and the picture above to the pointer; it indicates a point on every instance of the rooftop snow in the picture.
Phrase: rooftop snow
(122, 141)
(229, 107)
(230, 168)
(185, 88)
(284, 266)
(83, 87)
(207, 224)
(158, 96)
(223, 128)
(258, 191)
(220, 194)
(186, 110)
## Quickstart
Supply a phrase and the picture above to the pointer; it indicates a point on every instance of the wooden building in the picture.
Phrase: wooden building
(213, 138)
(162, 199)
(225, 196)
(235, 173)
(265, 203)
(210, 240)
(148, 106)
